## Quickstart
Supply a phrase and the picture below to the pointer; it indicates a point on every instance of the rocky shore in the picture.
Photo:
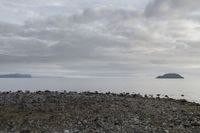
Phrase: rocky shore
(87, 112)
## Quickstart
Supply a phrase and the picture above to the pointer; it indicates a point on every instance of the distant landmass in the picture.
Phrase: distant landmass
(170, 76)
(17, 75)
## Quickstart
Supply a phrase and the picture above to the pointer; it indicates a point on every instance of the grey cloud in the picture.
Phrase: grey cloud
(103, 42)
(171, 8)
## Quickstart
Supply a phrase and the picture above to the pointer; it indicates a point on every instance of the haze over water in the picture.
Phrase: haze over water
(172, 87)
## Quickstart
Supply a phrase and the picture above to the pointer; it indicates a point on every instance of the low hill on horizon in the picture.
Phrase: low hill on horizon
(16, 75)
(170, 76)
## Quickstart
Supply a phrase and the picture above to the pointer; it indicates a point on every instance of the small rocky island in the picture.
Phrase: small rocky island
(17, 75)
(170, 76)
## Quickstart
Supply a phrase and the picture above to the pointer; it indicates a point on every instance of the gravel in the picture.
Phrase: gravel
(93, 112)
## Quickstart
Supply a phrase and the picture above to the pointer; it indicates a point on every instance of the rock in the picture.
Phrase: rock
(25, 131)
(95, 112)
(166, 131)
(136, 121)
(66, 131)
(195, 123)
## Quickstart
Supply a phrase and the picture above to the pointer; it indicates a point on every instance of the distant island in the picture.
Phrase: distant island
(170, 76)
(17, 75)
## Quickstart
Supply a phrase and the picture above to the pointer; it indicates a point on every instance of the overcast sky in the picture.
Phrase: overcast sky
(100, 38)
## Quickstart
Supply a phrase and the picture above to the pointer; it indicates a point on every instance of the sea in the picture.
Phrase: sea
(188, 89)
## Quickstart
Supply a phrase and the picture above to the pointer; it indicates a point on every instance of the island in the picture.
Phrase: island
(170, 76)
(17, 75)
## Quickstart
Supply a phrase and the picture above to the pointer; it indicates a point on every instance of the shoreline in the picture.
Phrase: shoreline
(181, 96)
(73, 112)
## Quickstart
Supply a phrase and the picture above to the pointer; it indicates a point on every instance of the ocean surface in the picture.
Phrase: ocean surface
(174, 88)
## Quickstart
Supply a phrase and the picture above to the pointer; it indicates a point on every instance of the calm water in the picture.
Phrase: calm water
(173, 88)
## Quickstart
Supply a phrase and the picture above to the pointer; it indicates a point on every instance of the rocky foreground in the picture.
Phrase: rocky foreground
(70, 112)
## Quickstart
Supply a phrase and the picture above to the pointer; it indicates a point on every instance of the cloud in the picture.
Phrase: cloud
(171, 8)
(103, 41)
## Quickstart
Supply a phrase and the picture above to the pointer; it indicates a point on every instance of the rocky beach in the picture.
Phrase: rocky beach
(93, 112)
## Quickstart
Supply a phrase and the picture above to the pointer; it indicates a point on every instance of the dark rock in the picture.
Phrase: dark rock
(195, 123)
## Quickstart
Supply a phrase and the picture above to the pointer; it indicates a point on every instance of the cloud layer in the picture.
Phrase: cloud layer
(100, 39)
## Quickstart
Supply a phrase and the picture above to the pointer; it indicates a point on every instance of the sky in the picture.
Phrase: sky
(100, 38)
